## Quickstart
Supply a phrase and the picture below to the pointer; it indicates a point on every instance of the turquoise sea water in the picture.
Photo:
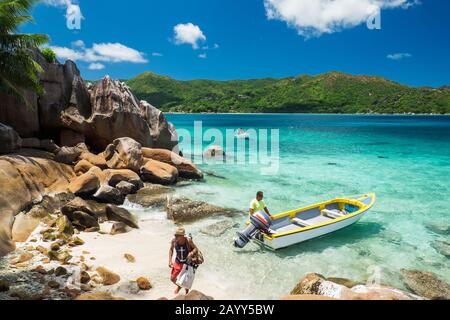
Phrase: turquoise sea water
(404, 159)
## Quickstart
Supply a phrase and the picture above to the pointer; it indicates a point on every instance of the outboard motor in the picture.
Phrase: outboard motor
(257, 224)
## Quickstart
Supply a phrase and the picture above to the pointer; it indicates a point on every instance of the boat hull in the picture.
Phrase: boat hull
(289, 240)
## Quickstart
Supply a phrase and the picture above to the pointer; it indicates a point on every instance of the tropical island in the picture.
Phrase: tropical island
(332, 92)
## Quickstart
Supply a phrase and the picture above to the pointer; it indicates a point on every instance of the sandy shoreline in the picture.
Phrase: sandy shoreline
(150, 246)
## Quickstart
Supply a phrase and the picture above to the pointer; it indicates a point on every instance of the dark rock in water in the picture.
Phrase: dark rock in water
(115, 213)
(212, 174)
(150, 195)
(443, 247)
(439, 227)
(332, 163)
(426, 284)
(214, 152)
(109, 194)
(219, 228)
(182, 209)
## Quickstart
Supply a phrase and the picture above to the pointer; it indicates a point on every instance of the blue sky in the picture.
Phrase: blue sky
(241, 39)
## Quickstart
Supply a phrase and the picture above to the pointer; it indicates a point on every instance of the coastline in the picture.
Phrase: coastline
(312, 114)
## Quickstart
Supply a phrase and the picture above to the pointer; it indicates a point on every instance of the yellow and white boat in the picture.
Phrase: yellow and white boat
(316, 220)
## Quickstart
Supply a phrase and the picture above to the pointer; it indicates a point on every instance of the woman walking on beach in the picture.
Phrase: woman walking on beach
(185, 249)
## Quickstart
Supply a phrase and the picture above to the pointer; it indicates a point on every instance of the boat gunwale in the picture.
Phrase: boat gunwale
(363, 208)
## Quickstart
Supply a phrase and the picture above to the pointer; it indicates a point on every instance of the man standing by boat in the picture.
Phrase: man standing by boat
(185, 249)
(259, 206)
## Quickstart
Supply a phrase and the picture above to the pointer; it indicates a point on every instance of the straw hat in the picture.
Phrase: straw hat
(180, 232)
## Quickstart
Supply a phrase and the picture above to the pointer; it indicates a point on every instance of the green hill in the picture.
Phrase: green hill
(332, 92)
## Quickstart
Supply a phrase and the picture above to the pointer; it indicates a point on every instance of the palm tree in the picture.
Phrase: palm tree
(18, 70)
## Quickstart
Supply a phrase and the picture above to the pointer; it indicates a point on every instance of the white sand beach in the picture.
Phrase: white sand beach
(150, 246)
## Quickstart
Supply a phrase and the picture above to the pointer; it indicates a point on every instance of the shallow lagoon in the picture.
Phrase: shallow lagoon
(404, 159)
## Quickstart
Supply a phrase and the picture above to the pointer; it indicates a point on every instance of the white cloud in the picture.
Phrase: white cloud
(100, 52)
(398, 56)
(67, 53)
(96, 66)
(312, 18)
(157, 54)
(202, 56)
(113, 52)
(188, 34)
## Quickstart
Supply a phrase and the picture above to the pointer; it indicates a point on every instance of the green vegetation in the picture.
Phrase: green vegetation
(49, 55)
(332, 92)
(18, 70)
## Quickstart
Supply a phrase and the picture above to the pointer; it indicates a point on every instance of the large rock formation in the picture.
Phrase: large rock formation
(24, 180)
(69, 113)
(116, 113)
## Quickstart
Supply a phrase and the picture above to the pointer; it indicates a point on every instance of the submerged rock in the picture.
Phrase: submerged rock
(441, 227)
(181, 209)
(443, 247)
(426, 284)
(150, 195)
(214, 152)
(218, 228)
